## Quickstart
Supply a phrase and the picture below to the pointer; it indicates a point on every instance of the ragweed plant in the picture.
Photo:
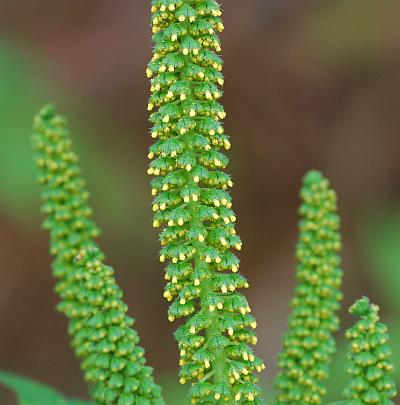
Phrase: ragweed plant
(193, 206)
(102, 334)
(369, 358)
(308, 343)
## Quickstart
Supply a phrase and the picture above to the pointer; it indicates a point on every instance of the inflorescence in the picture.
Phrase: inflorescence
(308, 343)
(193, 206)
(102, 333)
(369, 358)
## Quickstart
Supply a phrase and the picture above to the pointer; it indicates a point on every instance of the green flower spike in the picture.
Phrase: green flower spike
(102, 333)
(368, 358)
(308, 343)
(192, 204)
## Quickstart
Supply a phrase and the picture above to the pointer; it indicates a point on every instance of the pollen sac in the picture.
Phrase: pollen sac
(193, 207)
(102, 336)
(308, 342)
(368, 358)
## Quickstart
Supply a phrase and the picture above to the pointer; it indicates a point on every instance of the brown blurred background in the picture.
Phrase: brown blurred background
(310, 84)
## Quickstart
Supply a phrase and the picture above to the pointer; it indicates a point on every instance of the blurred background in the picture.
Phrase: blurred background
(310, 84)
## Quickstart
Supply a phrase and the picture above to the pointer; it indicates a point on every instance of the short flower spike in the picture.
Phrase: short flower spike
(308, 343)
(369, 358)
(103, 337)
(194, 208)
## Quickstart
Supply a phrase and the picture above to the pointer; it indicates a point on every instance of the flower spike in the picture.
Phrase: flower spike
(102, 334)
(369, 358)
(308, 343)
(194, 208)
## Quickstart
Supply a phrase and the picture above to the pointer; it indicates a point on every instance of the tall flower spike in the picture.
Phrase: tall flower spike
(102, 333)
(368, 358)
(308, 343)
(192, 204)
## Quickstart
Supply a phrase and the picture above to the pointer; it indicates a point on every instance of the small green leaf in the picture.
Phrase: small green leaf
(30, 392)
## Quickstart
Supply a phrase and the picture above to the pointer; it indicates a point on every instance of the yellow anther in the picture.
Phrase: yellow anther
(196, 179)
(200, 238)
(192, 112)
(195, 197)
(165, 119)
(181, 221)
(182, 301)
(188, 167)
(223, 241)
(211, 308)
(224, 290)
(150, 106)
(183, 96)
(238, 396)
(196, 282)
(192, 330)
(186, 199)
(162, 258)
(208, 259)
(206, 363)
(163, 206)
(156, 223)
(150, 155)
(220, 305)
(217, 396)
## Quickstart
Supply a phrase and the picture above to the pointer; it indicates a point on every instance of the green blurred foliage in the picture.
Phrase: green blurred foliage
(24, 89)
(30, 392)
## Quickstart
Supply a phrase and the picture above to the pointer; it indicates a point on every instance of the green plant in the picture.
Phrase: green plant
(369, 358)
(308, 343)
(193, 205)
(102, 332)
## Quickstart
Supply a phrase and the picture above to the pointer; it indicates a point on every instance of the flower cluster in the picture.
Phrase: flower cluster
(194, 208)
(368, 358)
(308, 343)
(102, 333)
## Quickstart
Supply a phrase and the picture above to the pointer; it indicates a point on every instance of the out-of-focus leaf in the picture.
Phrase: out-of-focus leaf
(24, 89)
(382, 251)
(30, 392)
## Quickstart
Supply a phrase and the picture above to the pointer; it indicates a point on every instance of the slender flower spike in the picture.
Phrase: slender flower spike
(102, 333)
(194, 208)
(368, 358)
(308, 343)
